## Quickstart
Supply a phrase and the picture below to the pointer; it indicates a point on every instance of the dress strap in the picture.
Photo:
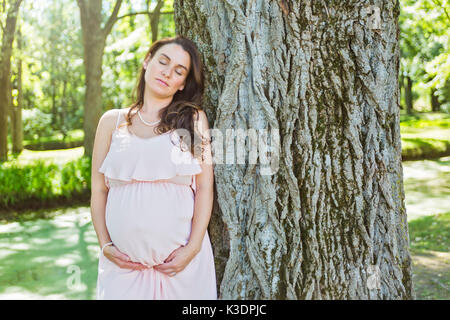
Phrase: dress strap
(118, 117)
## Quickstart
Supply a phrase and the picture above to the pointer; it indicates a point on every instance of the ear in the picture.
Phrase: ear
(145, 64)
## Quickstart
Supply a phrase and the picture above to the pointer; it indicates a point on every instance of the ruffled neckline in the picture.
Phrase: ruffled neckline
(127, 161)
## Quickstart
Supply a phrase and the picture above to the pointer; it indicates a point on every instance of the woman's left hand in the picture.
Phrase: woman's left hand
(176, 261)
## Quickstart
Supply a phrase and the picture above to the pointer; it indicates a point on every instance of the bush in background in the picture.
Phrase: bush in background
(40, 185)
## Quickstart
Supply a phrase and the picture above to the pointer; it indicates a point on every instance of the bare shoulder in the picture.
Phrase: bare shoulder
(107, 122)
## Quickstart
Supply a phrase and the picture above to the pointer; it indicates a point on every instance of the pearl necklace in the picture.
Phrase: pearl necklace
(147, 123)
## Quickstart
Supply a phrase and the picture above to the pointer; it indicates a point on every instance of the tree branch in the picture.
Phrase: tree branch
(437, 2)
(112, 19)
(82, 6)
(142, 12)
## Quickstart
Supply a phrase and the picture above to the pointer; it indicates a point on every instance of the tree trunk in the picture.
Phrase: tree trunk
(5, 75)
(409, 95)
(330, 222)
(400, 90)
(435, 104)
(154, 18)
(94, 39)
(16, 111)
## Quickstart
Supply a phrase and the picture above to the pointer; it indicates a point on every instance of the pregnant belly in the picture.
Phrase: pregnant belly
(148, 220)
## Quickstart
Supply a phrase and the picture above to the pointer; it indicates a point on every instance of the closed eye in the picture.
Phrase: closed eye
(166, 63)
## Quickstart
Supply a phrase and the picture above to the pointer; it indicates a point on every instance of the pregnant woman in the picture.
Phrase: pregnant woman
(152, 184)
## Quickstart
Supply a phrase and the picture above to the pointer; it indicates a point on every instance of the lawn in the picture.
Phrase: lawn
(53, 254)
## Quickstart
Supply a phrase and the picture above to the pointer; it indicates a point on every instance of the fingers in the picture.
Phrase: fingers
(131, 265)
(169, 258)
(124, 261)
(167, 268)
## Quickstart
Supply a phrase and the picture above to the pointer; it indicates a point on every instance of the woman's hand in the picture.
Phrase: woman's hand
(121, 259)
(176, 261)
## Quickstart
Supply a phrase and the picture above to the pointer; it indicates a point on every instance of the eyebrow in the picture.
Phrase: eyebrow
(169, 60)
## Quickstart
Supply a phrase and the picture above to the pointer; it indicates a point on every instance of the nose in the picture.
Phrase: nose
(166, 73)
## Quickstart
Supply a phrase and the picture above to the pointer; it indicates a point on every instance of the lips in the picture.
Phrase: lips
(162, 82)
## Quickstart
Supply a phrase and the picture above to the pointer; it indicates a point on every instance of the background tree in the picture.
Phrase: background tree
(331, 222)
(94, 40)
(16, 106)
(10, 9)
(425, 50)
(153, 17)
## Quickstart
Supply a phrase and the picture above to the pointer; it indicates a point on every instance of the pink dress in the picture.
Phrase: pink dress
(149, 213)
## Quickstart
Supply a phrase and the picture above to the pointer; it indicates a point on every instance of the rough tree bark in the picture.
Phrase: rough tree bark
(8, 31)
(331, 222)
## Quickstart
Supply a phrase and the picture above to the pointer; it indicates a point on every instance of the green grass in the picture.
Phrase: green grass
(425, 135)
(61, 156)
(42, 258)
(73, 135)
(41, 251)
(430, 233)
(52, 258)
(430, 251)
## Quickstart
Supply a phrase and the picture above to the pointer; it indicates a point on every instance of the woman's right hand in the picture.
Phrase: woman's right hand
(121, 259)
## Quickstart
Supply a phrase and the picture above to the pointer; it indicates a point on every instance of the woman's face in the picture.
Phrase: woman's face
(167, 71)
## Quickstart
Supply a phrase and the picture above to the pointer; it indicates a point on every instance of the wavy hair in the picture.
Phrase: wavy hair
(180, 112)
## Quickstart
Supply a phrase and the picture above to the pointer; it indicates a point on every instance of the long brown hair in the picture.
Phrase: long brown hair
(179, 114)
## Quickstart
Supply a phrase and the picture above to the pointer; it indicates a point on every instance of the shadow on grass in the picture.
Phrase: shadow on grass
(44, 259)
(430, 251)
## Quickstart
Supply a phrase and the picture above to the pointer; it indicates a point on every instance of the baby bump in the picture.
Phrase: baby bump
(148, 220)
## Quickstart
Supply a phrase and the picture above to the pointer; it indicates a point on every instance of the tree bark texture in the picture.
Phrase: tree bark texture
(5, 74)
(331, 222)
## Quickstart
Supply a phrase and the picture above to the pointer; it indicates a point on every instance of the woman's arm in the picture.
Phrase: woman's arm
(204, 195)
(99, 190)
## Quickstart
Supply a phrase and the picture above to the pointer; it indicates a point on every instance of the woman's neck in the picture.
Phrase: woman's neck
(153, 104)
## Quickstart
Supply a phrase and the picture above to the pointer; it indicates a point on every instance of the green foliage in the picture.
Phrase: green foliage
(36, 124)
(39, 183)
(52, 73)
(76, 177)
(424, 44)
(424, 148)
(57, 141)
(125, 49)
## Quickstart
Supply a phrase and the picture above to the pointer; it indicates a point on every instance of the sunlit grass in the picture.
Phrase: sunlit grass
(431, 233)
(61, 156)
(427, 188)
(44, 258)
(430, 249)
